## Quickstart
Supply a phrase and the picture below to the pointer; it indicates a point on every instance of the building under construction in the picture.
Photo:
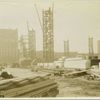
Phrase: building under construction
(28, 45)
(48, 35)
(23, 47)
(66, 48)
(90, 41)
(31, 44)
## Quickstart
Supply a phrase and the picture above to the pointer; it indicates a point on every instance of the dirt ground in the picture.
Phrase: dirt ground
(77, 87)
(69, 87)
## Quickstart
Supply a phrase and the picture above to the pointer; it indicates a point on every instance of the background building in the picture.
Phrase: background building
(8, 45)
(98, 47)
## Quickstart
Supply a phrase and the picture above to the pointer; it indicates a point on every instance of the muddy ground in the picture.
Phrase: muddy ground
(78, 87)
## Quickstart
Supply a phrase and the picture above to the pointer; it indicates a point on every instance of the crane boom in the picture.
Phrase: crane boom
(38, 17)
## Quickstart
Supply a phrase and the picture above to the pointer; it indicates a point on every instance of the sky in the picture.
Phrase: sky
(74, 20)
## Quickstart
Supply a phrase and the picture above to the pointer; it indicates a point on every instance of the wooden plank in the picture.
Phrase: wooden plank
(38, 92)
(20, 90)
(12, 83)
(18, 82)
(7, 81)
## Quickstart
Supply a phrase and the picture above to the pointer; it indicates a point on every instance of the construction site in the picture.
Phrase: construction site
(28, 73)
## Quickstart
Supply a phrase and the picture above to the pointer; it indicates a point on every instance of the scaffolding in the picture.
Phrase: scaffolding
(66, 48)
(91, 51)
(48, 35)
(31, 44)
(23, 47)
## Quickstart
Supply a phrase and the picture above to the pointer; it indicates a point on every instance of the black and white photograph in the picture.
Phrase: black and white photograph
(49, 49)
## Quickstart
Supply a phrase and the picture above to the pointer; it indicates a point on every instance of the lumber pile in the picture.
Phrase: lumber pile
(93, 74)
(35, 86)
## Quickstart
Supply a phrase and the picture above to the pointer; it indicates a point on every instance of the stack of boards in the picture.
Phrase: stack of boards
(34, 86)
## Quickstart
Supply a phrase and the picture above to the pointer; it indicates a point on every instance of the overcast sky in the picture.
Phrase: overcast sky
(73, 19)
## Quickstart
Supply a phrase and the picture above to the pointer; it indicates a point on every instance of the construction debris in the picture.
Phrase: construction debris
(90, 74)
(6, 75)
(93, 74)
(76, 74)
